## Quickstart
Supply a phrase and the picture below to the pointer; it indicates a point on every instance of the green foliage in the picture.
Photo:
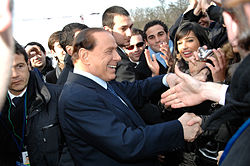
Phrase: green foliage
(166, 12)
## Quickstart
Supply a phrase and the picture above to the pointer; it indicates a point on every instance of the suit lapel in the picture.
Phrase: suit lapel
(108, 97)
(130, 107)
(126, 109)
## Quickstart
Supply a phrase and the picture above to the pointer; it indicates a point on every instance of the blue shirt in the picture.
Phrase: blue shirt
(158, 54)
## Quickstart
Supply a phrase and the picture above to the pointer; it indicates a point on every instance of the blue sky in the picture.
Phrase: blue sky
(36, 20)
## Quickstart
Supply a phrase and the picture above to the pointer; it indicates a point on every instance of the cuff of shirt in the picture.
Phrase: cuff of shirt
(164, 80)
(223, 94)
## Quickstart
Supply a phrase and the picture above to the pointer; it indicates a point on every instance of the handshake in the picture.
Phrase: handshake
(191, 126)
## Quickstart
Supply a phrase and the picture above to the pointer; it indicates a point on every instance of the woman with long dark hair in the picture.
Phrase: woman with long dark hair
(189, 37)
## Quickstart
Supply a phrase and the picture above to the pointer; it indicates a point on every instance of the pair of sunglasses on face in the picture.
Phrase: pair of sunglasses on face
(138, 45)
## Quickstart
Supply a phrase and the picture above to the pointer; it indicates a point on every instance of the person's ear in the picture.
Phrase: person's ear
(5, 16)
(107, 28)
(84, 56)
(231, 24)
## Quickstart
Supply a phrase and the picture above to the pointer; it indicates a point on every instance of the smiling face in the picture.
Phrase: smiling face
(20, 75)
(156, 36)
(135, 48)
(187, 45)
(103, 59)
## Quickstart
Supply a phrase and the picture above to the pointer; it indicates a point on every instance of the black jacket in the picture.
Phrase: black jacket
(48, 67)
(52, 76)
(42, 133)
(238, 149)
(125, 69)
(237, 99)
(65, 72)
(217, 33)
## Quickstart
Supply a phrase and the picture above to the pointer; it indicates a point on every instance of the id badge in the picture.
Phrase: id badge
(25, 156)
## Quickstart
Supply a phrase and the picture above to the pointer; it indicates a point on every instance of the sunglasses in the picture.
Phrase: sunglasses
(140, 44)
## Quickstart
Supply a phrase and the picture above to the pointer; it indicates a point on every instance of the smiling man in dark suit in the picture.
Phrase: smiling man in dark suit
(97, 114)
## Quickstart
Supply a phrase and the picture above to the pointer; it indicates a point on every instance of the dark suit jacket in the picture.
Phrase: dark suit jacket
(52, 76)
(65, 72)
(238, 148)
(237, 99)
(125, 69)
(101, 130)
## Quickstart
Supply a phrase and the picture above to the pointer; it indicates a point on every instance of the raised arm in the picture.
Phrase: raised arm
(190, 92)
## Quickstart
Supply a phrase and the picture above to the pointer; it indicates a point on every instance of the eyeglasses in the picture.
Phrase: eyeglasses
(131, 47)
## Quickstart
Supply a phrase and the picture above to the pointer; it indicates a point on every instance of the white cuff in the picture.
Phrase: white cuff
(223, 91)
(164, 80)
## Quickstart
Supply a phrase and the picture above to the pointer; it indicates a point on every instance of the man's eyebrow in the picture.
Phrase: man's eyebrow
(161, 31)
(124, 26)
(109, 49)
(21, 63)
(151, 35)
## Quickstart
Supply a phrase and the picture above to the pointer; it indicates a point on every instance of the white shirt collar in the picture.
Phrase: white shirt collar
(137, 63)
(122, 50)
(20, 95)
(91, 76)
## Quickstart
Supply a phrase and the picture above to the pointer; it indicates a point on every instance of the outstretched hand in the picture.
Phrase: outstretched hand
(186, 93)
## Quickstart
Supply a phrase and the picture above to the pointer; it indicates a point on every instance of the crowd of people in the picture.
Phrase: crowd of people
(120, 95)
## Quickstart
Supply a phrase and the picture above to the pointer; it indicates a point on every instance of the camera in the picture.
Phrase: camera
(203, 54)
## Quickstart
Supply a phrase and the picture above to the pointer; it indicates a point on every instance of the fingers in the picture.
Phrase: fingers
(154, 57)
(178, 105)
(169, 98)
(181, 74)
(218, 68)
(193, 60)
(194, 120)
(152, 63)
(165, 57)
(148, 57)
(192, 132)
(219, 156)
(5, 16)
(166, 51)
(172, 90)
(172, 80)
(221, 57)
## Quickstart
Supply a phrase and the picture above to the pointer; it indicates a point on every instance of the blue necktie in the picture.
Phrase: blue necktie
(109, 87)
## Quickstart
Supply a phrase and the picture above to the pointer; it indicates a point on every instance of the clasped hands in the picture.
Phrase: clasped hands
(191, 126)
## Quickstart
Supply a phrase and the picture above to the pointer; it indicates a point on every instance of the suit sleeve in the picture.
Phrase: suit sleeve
(138, 92)
(100, 125)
